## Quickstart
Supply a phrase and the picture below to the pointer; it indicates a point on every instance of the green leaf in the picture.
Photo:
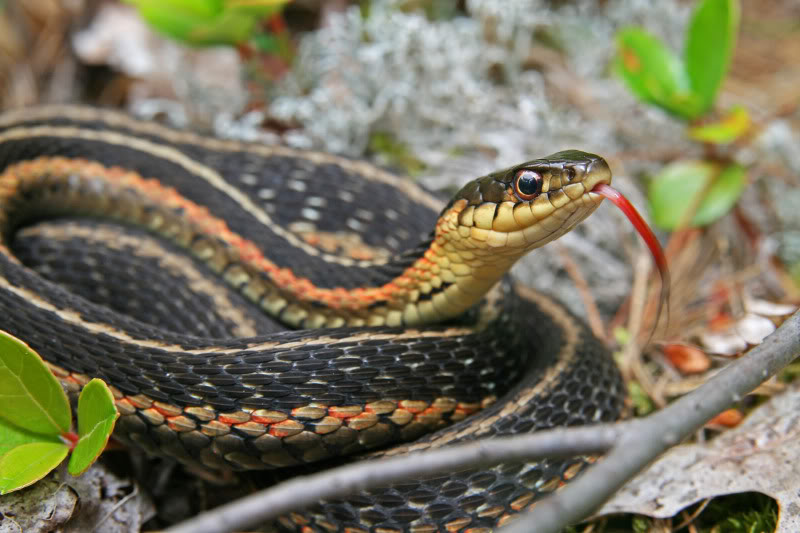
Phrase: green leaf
(266, 42)
(11, 436)
(261, 8)
(395, 152)
(28, 463)
(206, 9)
(96, 417)
(673, 191)
(195, 29)
(732, 126)
(621, 335)
(206, 22)
(653, 73)
(30, 396)
(709, 46)
(640, 400)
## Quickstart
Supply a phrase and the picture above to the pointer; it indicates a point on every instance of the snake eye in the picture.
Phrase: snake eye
(527, 184)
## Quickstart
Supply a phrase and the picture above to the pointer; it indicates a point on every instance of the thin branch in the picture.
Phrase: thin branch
(692, 517)
(338, 482)
(646, 438)
(134, 493)
(593, 317)
(631, 363)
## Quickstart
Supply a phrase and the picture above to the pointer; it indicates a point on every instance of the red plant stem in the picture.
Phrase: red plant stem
(71, 438)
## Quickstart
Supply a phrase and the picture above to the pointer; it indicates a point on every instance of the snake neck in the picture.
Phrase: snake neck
(450, 275)
(437, 280)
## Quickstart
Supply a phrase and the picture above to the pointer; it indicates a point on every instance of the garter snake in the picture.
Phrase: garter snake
(255, 307)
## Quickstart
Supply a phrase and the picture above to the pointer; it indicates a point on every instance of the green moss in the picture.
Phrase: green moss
(749, 512)
(395, 153)
(433, 9)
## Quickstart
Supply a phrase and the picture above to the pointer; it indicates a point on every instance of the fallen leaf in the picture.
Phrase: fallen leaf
(751, 329)
(762, 455)
(99, 500)
(729, 418)
(767, 308)
(43, 507)
(687, 359)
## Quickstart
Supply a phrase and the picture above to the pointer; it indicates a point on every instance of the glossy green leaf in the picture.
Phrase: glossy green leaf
(732, 126)
(226, 28)
(268, 43)
(206, 22)
(653, 73)
(672, 192)
(96, 417)
(28, 463)
(709, 46)
(261, 8)
(30, 396)
(11, 436)
(205, 9)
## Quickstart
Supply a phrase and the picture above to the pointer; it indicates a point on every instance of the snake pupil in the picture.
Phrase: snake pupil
(528, 184)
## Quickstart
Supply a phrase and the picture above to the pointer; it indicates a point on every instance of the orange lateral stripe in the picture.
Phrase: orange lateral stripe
(300, 288)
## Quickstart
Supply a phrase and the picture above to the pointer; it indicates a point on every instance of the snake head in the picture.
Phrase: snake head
(523, 207)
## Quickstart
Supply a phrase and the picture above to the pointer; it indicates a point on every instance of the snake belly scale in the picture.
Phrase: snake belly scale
(257, 307)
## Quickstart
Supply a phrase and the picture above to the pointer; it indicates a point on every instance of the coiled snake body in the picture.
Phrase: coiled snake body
(257, 307)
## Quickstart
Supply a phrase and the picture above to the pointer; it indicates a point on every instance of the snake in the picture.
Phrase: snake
(259, 307)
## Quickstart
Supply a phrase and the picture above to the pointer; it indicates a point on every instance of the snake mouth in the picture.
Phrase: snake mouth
(597, 176)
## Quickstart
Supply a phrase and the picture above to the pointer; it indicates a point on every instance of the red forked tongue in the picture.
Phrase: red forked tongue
(647, 236)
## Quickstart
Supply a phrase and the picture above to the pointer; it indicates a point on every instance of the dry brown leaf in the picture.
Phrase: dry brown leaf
(98, 500)
(762, 455)
(40, 508)
(687, 359)
(729, 418)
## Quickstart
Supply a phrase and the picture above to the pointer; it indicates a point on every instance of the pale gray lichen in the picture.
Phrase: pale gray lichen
(430, 84)
(778, 143)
